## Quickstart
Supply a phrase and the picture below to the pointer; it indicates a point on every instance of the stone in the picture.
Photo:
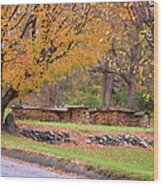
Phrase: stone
(34, 138)
(51, 137)
(88, 141)
(47, 136)
(91, 137)
(133, 140)
(59, 137)
(149, 142)
(105, 138)
(152, 143)
(67, 140)
(51, 133)
(109, 142)
(121, 136)
(137, 139)
(109, 136)
(74, 141)
(113, 142)
(126, 136)
(143, 144)
(66, 135)
(97, 137)
(123, 144)
(101, 141)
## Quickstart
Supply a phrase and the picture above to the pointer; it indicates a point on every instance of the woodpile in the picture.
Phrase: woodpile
(85, 115)
(118, 117)
(78, 114)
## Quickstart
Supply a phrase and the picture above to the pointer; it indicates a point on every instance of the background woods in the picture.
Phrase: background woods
(95, 54)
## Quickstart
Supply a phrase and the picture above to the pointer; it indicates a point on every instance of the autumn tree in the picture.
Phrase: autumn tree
(36, 40)
(102, 67)
(131, 53)
(133, 50)
(42, 43)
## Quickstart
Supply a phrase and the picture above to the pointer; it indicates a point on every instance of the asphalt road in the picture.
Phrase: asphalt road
(12, 168)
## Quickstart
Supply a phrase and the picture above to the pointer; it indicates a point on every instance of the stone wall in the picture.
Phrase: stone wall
(55, 137)
(85, 115)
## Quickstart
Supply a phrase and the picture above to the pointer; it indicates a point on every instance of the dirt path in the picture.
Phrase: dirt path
(12, 168)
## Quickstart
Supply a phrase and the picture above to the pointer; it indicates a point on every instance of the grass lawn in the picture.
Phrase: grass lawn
(132, 163)
(86, 127)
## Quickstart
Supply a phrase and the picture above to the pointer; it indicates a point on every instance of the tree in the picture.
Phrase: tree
(36, 40)
(131, 52)
(108, 78)
(136, 47)
(42, 43)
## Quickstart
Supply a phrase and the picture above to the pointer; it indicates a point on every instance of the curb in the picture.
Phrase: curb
(60, 163)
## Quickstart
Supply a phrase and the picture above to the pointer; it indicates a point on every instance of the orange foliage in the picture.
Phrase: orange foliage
(85, 78)
(139, 85)
(44, 42)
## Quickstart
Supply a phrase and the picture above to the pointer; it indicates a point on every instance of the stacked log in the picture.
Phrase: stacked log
(98, 117)
(85, 115)
(118, 117)
(42, 114)
(79, 114)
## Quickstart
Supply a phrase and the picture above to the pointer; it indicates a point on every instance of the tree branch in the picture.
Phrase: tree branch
(13, 13)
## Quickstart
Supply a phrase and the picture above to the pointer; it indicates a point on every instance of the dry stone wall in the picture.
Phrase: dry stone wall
(123, 140)
(51, 137)
(55, 137)
(85, 115)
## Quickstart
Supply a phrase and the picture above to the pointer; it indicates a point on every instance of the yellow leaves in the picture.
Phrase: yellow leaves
(101, 40)
(111, 5)
(118, 70)
(146, 96)
(141, 71)
(107, 33)
(22, 71)
(58, 25)
(150, 75)
(97, 87)
(93, 3)
(125, 4)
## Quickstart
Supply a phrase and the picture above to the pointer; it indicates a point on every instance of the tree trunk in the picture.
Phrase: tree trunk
(131, 94)
(10, 125)
(6, 99)
(108, 81)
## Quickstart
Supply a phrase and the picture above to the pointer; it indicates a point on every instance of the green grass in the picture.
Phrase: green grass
(128, 162)
(86, 127)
